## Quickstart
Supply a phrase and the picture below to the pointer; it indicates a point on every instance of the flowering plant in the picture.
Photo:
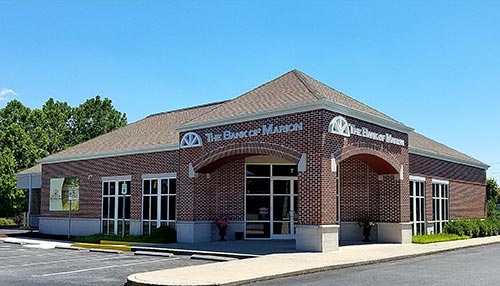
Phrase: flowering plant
(222, 222)
(366, 222)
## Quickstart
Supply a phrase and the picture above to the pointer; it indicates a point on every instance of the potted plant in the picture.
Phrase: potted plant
(366, 223)
(222, 224)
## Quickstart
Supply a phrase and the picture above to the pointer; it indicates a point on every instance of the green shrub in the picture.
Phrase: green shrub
(164, 234)
(7, 222)
(475, 227)
(440, 237)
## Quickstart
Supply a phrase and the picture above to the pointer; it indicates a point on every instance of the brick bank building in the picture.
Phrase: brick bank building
(290, 159)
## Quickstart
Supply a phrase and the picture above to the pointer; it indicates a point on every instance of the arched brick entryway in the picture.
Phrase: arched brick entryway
(220, 156)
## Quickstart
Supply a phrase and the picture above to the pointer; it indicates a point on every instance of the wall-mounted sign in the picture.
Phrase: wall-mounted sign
(192, 139)
(340, 126)
(62, 191)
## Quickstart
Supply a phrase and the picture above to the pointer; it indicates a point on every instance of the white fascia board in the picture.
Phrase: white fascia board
(298, 108)
(441, 182)
(123, 152)
(444, 157)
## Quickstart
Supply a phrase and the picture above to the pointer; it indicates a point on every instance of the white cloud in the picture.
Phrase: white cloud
(5, 92)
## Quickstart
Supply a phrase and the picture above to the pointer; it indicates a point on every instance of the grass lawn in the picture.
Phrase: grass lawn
(431, 238)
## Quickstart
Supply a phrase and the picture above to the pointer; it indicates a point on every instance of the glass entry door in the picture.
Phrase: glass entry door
(285, 202)
(271, 201)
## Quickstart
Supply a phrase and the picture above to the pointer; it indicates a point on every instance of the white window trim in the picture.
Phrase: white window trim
(159, 176)
(417, 179)
(441, 182)
(117, 178)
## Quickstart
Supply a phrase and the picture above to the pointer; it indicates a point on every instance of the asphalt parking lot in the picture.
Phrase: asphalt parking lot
(22, 265)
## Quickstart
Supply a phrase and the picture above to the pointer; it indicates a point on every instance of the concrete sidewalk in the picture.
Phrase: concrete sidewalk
(290, 264)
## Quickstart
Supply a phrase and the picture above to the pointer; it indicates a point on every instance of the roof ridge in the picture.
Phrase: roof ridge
(185, 109)
(348, 96)
(301, 76)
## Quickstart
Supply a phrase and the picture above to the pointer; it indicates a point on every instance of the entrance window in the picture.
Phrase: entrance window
(158, 202)
(417, 207)
(115, 206)
(440, 205)
(271, 200)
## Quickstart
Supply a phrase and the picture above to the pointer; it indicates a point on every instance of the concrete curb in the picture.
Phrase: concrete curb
(212, 258)
(149, 253)
(110, 251)
(189, 252)
(322, 269)
(69, 247)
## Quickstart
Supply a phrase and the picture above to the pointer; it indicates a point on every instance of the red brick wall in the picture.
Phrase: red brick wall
(90, 173)
(442, 169)
(467, 185)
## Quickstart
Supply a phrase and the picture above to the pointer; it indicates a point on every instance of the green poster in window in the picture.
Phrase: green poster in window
(60, 194)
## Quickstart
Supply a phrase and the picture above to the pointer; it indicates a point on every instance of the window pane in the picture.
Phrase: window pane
(411, 210)
(258, 171)
(112, 187)
(127, 207)
(258, 207)
(296, 187)
(173, 186)
(112, 207)
(164, 208)
(258, 186)
(258, 230)
(145, 207)
(281, 187)
(285, 170)
(105, 202)
(411, 188)
(281, 228)
(146, 187)
(296, 207)
(171, 208)
(154, 187)
(120, 207)
(105, 226)
(145, 227)
(105, 189)
(281, 208)
(154, 207)
(164, 186)
(129, 188)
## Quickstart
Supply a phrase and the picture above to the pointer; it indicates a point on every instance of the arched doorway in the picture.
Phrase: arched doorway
(369, 185)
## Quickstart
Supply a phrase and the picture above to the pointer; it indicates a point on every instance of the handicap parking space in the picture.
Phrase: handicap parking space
(20, 265)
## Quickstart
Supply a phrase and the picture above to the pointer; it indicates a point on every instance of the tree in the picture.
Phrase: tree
(491, 190)
(94, 117)
(28, 135)
(13, 200)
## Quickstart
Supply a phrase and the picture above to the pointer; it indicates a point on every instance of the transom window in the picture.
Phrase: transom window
(417, 207)
(158, 202)
(440, 205)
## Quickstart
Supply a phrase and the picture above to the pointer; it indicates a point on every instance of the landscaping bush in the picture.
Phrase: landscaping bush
(6, 222)
(473, 228)
(164, 234)
(440, 237)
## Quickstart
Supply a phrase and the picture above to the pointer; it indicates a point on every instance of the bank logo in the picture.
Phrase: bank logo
(191, 139)
(339, 126)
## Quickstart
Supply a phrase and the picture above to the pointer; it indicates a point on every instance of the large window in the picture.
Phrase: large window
(158, 201)
(440, 204)
(417, 206)
(115, 206)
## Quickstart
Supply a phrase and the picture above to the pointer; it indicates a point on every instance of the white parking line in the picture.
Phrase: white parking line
(58, 261)
(100, 268)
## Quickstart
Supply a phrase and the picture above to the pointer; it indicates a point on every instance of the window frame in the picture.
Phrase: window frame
(440, 204)
(158, 222)
(418, 218)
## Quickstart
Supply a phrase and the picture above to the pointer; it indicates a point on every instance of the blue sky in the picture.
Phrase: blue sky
(433, 65)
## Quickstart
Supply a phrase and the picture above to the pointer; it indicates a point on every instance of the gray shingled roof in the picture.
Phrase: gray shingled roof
(33, 170)
(159, 130)
(292, 88)
(420, 142)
